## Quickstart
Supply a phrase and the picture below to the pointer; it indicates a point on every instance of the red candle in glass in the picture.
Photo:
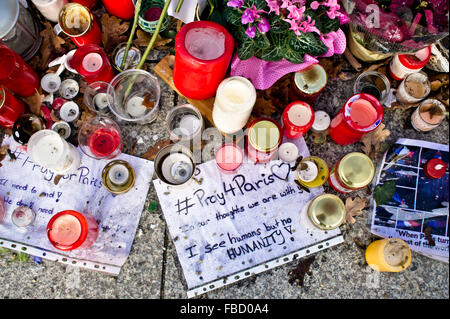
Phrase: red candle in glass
(10, 108)
(104, 142)
(91, 4)
(123, 9)
(79, 24)
(298, 118)
(361, 114)
(93, 64)
(69, 230)
(229, 158)
(435, 168)
(203, 51)
(16, 74)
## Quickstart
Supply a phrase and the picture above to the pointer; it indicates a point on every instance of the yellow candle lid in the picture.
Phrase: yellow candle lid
(264, 136)
(356, 170)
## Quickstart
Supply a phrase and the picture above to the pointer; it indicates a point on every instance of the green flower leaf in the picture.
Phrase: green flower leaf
(307, 43)
(383, 193)
(232, 15)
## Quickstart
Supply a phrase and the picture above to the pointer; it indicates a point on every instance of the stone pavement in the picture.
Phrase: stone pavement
(152, 269)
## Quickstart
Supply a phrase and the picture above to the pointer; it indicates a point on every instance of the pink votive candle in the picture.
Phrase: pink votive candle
(229, 158)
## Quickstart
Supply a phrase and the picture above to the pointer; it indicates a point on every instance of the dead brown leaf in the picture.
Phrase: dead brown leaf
(353, 208)
(331, 66)
(34, 102)
(320, 138)
(263, 106)
(143, 39)
(57, 179)
(51, 45)
(153, 150)
(352, 60)
(372, 141)
(113, 30)
(3, 152)
(439, 80)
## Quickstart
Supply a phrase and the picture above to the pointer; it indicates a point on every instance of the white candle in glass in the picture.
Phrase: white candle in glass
(135, 107)
(101, 101)
(233, 105)
(50, 8)
(118, 174)
(414, 88)
(48, 149)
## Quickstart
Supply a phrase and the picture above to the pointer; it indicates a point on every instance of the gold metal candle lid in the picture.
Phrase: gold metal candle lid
(356, 170)
(326, 211)
(75, 19)
(264, 136)
(112, 187)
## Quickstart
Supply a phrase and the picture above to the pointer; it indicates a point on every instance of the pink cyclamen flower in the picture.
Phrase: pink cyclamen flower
(235, 3)
(315, 5)
(308, 26)
(274, 6)
(295, 13)
(251, 32)
(264, 25)
(333, 8)
(247, 16)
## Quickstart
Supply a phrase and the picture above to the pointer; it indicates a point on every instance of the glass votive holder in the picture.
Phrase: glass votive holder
(174, 165)
(414, 88)
(428, 115)
(96, 97)
(135, 97)
(25, 126)
(69, 230)
(306, 85)
(133, 57)
(374, 83)
(10, 108)
(229, 158)
(23, 216)
(118, 177)
(185, 123)
(100, 138)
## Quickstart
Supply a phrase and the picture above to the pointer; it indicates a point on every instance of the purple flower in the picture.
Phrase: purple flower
(251, 32)
(264, 25)
(248, 16)
(235, 3)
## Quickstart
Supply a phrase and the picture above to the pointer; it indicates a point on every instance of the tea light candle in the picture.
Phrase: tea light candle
(229, 158)
(361, 114)
(177, 168)
(312, 172)
(51, 82)
(309, 173)
(306, 85)
(118, 174)
(69, 89)
(428, 115)
(388, 255)
(233, 105)
(298, 117)
(135, 108)
(69, 112)
(435, 168)
(23, 216)
(101, 101)
(321, 122)
(92, 63)
(62, 128)
(413, 89)
(69, 230)
(288, 152)
(50, 8)
(403, 64)
(203, 51)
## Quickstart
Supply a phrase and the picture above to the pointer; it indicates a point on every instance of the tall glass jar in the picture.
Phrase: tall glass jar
(18, 30)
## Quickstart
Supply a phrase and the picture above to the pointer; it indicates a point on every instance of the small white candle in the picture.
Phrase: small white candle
(23, 216)
(309, 173)
(92, 62)
(101, 101)
(188, 125)
(288, 152)
(51, 82)
(119, 174)
(69, 89)
(135, 107)
(69, 112)
(321, 122)
(233, 105)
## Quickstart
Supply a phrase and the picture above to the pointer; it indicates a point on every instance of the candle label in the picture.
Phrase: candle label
(418, 212)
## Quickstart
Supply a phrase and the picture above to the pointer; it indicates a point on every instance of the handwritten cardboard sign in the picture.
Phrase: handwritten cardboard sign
(23, 183)
(222, 224)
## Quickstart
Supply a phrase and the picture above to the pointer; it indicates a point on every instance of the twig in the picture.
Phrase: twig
(133, 30)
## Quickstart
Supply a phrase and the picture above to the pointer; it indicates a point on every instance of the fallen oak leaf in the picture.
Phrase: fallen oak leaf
(372, 141)
(54, 40)
(143, 38)
(113, 30)
(353, 208)
(151, 152)
(34, 102)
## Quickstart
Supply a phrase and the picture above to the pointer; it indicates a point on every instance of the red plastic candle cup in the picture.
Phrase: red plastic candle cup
(100, 138)
(361, 114)
(435, 168)
(306, 85)
(403, 64)
(203, 51)
(77, 21)
(10, 108)
(298, 118)
(91, 4)
(123, 9)
(69, 230)
(93, 64)
(16, 74)
(229, 157)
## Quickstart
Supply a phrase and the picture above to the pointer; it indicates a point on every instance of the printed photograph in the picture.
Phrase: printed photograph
(409, 220)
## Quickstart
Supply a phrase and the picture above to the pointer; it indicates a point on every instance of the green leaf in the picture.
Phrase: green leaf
(277, 25)
(246, 48)
(307, 43)
(292, 55)
(327, 25)
(275, 51)
(232, 16)
(153, 206)
(383, 193)
(261, 41)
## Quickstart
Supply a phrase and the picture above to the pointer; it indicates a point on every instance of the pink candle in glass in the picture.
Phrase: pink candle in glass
(298, 117)
(229, 158)
(361, 114)
(104, 142)
(69, 230)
